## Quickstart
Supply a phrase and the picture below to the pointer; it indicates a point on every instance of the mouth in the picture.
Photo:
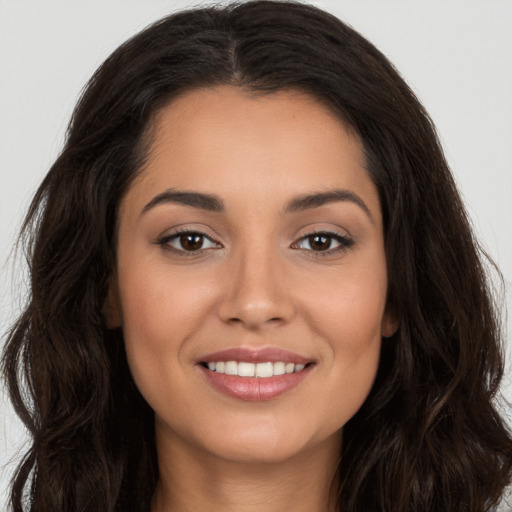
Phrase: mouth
(263, 370)
(255, 375)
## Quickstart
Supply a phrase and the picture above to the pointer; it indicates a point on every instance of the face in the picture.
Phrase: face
(251, 276)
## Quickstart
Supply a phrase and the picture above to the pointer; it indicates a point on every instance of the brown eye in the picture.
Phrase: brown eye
(324, 242)
(320, 242)
(188, 241)
(191, 241)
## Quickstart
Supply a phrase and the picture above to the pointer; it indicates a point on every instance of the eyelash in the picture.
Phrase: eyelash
(343, 241)
(164, 242)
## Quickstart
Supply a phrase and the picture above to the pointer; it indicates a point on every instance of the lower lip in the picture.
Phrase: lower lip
(255, 388)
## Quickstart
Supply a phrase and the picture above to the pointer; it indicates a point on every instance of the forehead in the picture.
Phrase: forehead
(240, 145)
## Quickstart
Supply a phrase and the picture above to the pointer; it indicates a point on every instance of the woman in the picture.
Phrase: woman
(254, 286)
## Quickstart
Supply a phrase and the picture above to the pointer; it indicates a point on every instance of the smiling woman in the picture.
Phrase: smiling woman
(277, 258)
(274, 300)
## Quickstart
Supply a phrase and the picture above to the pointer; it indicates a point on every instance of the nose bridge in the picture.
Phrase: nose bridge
(256, 293)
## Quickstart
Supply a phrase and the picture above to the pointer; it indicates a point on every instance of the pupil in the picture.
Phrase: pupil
(319, 242)
(191, 242)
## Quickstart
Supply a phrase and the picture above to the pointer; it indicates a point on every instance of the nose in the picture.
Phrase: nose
(256, 292)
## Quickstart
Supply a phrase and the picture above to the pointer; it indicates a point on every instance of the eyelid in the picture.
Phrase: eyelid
(164, 240)
(345, 241)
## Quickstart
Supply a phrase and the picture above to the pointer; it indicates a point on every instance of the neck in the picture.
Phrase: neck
(192, 481)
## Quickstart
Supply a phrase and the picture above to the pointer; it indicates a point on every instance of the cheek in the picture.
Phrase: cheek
(161, 311)
(346, 313)
(162, 302)
(347, 307)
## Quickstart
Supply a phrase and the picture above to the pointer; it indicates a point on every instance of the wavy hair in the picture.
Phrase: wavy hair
(428, 437)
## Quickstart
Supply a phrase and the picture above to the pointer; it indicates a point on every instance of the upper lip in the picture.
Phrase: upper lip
(255, 355)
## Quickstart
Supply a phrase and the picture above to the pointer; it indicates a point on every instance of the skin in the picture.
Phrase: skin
(257, 282)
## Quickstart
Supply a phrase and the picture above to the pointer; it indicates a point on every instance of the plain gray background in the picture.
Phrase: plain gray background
(455, 54)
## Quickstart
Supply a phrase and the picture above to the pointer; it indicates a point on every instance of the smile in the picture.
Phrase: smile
(262, 370)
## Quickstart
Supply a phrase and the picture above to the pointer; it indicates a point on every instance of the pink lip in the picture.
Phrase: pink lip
(261, 355)
(255, 388)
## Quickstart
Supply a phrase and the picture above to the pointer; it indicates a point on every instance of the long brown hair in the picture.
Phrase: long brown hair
(427, 438)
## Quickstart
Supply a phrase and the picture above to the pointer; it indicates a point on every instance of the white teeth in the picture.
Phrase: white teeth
(231, 368)
(264, 370)
(246, 369)
(261, 370)
(279, 368)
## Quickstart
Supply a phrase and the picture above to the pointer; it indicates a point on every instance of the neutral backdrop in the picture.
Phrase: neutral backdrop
(455, 54)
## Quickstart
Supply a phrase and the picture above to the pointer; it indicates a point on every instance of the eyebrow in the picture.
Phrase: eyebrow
(199, 200)
(308, 201)
(213, 203)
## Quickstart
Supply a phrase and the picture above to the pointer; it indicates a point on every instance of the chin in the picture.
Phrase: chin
(266, 442)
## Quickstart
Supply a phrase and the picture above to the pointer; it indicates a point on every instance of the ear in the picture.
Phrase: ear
(390, 322)
(111, 307)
